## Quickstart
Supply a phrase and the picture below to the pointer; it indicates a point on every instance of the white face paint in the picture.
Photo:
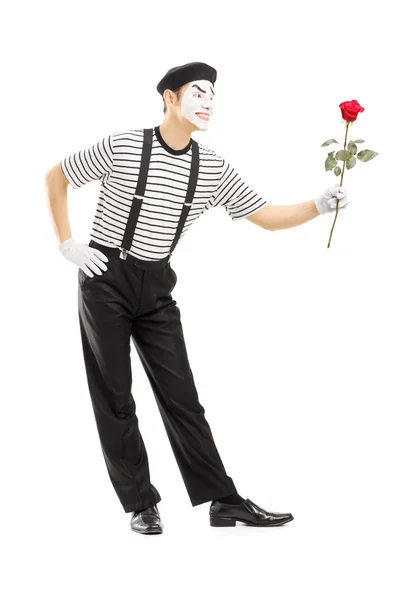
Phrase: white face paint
(197, 103)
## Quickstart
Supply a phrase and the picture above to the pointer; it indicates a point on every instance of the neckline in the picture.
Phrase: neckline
(168, 148)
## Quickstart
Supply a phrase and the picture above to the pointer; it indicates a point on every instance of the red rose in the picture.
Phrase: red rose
(350, 110)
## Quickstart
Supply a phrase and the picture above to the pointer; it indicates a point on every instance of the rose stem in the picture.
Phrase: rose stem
(341, 181)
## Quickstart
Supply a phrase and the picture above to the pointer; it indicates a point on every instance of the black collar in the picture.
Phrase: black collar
(168, 148)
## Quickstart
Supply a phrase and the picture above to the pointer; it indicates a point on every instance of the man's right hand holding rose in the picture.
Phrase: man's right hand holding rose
(327, 202)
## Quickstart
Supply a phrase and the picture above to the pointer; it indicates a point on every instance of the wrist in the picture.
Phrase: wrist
(66, 243)
(318, 205)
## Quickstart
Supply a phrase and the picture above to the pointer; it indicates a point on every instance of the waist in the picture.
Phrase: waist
(143, 264)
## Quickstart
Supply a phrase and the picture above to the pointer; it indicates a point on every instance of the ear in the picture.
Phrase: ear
(167, 96)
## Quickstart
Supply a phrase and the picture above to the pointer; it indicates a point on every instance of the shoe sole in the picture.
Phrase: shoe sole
(231, 522)
(146, 532)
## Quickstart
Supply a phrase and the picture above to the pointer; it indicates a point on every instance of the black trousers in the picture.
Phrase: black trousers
(132, 299)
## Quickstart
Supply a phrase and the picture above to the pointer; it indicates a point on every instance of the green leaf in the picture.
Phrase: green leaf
(331, 141)
(343, 155)
(350, 162)
(352, 148)
(337, 170)
(330, 162)
(359, 141)
(366, 155)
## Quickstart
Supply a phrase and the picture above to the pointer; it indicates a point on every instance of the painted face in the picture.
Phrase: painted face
(197, 103)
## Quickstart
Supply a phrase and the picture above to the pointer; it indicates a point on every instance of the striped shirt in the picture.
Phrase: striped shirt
(115, 160)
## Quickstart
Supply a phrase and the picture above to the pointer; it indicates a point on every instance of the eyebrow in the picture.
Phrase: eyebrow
(199, 88)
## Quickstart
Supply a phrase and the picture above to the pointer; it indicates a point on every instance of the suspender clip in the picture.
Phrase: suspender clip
(123, 253)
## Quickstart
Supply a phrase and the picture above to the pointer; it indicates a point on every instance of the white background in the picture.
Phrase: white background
(294, 347)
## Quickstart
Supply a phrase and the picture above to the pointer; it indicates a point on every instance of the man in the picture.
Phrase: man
(154, 184)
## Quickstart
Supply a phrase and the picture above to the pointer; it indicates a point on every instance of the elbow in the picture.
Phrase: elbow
(55, 177)
(49, 176)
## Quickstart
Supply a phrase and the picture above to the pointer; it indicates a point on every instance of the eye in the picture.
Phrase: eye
(197, 94)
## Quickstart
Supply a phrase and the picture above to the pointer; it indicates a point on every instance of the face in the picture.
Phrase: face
(197, 103)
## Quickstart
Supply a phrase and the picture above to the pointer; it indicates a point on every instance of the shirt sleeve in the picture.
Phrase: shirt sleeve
(89, 164)
(238, 199)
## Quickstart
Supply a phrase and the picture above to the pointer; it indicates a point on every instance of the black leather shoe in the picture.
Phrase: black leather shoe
(147, 520)
(226, 515)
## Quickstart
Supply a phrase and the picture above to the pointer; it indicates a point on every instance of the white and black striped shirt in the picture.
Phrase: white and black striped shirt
(115, 160)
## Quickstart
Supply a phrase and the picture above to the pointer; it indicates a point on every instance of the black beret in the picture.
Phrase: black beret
(182, 74)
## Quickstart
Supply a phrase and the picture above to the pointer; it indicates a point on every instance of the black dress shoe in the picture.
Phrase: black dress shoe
(147, 520)
(226, 515)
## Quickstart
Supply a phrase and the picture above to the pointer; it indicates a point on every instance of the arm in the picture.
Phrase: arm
(56, 190)
(273, 217)
(282, 217)
(241, 201)
(78, 169)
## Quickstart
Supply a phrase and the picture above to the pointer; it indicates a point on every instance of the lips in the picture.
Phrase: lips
(203, 116)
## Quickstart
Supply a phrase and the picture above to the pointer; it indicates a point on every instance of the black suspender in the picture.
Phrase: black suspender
(194, 171)
(139, 193)
(138, 196)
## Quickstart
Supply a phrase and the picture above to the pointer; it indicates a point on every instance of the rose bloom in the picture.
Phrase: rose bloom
(350, 110)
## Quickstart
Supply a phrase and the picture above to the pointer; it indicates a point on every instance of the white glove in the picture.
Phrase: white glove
(84, 256)
(327, 202)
